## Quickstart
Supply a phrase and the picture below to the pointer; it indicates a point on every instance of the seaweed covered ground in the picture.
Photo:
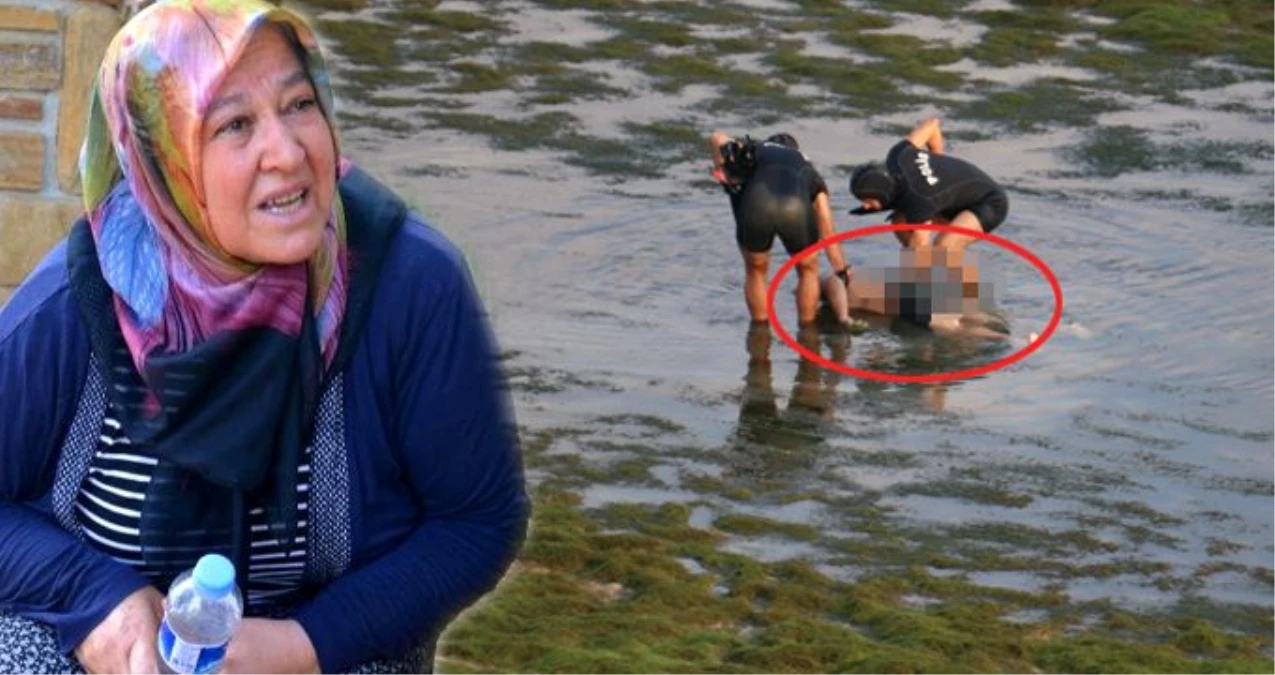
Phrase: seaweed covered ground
(758, 63)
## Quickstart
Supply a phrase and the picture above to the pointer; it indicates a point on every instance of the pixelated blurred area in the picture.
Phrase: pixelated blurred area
(937, 284)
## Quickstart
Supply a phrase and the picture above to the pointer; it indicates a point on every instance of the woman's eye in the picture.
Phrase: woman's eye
(234, 126)
(304, 104)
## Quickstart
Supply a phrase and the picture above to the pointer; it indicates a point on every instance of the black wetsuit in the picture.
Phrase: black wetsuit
(939, 185)
(777, 199)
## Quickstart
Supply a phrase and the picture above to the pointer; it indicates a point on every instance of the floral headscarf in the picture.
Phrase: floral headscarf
(175, 288)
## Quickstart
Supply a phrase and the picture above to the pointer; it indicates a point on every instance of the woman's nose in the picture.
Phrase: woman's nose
(281, 147)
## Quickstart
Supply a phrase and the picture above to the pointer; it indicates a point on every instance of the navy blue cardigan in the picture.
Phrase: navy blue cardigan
(438, 506)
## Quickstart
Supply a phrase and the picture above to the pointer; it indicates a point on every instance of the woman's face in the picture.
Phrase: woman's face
(269, 162)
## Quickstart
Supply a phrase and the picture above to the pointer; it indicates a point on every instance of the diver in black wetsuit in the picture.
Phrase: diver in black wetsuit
(774, 191)
(921, 184)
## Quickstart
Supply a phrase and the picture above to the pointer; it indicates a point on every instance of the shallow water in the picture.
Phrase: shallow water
(1128, 458)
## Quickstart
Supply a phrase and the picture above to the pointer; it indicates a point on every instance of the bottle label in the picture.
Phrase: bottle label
(183, 657)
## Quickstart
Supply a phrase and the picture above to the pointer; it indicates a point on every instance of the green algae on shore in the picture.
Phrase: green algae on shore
(1037, 106)
(1111, 151)
(637, 589)
(661, 41)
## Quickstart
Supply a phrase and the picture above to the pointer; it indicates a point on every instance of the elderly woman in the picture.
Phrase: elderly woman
(246, 346)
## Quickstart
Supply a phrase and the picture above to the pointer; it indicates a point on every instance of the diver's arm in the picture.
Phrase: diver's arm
(715, 141)
(823, 220)
(928, 135)
(717, 138)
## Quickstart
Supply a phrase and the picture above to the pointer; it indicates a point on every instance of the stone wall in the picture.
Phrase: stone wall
(49, 54)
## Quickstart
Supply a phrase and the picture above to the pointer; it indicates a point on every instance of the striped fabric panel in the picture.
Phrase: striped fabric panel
(109, 510)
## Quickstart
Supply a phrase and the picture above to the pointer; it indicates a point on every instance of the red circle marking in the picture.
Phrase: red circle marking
(933, 377)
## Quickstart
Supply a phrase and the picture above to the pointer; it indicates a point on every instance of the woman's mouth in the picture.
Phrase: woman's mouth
(286, 203)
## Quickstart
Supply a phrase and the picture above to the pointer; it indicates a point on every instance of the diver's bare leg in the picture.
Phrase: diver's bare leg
(807, 289)
(755, 267)
(965, 220)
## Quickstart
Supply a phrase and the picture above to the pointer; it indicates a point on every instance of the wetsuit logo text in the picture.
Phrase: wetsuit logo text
(923, 164)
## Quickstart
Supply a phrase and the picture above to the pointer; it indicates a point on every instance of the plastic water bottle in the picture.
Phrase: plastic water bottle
(201, 613)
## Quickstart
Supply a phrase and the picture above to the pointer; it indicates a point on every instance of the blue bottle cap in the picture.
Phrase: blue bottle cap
(214, 576)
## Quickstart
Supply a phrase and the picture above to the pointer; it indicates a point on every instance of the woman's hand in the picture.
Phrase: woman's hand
(269, 646)
(124, 642)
